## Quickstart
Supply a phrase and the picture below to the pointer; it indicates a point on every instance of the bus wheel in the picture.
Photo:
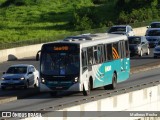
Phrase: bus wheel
(86, 92)
(53, 93)
(114, 81)
(113, 85)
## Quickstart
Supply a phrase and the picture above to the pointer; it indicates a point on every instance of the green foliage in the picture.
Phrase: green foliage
(82, 22)
(18, 2)
(137, 11)
(123, 18)
(99, 1)
(38, 19)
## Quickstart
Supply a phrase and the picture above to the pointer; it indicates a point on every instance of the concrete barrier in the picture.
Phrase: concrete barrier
(19, 52)
(140, 31)
(136, 105)
(30, 51)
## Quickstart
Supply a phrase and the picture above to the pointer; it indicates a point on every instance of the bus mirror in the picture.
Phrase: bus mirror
(37, 55)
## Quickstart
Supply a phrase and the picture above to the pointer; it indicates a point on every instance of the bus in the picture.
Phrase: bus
(84, 62)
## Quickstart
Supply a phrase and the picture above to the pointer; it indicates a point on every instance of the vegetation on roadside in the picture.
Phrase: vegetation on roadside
(41, 19)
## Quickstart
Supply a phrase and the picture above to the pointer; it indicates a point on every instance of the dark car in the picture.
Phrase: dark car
(138, 45)
(156, 51)
(153, 36)
(121, 29)
(154, 25)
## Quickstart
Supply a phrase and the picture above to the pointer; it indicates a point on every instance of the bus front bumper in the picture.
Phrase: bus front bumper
(74, 87)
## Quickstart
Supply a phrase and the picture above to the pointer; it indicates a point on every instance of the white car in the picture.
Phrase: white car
(20, 75)
(121, 29)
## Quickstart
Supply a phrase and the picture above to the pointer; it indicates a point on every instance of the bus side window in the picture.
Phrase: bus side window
(100, 54)
(115, 51)
(95, 57)
(90, 55)
(123, 49)
(109, 52)
(127, 49)
(105, 52)
(84, 60)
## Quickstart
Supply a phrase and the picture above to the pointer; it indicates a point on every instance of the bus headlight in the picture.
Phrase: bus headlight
(76, 79)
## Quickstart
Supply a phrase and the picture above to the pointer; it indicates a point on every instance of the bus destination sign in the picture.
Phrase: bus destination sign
(61, 48)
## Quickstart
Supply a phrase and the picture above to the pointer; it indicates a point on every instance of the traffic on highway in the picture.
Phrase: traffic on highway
(139, 47)
(24, 78)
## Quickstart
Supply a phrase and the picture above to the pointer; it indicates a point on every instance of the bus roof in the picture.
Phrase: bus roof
(92, 39)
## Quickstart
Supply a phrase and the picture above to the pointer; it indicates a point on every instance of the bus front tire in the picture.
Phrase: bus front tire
(87, 92)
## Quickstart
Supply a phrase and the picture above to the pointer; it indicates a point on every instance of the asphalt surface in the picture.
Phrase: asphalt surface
(137, 64)
(46, 102)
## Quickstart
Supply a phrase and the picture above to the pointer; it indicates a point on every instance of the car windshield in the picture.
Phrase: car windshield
(134, 40)
(117, 29)
(153, 33)
(60, 63)
(155, 25)
(17, 70)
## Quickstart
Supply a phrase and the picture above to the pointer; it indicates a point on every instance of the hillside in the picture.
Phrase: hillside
(40, 19)
(35, 20)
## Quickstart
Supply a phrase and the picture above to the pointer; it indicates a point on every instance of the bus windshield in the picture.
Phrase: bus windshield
(60, 63)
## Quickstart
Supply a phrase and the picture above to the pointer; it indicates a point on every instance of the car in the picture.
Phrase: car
(153, 36)
(121, 29)
(156, 51)
(138, 45)
(154, 25)
(20, 75)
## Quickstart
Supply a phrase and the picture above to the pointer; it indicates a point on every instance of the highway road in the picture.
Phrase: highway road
(135, 62)
(46, 102)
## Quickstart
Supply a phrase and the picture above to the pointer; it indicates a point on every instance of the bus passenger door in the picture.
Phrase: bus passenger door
(123, 60)
(84, 76)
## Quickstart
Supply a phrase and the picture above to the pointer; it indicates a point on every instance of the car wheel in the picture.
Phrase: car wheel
(36, 84)
(148, 51)
(26, 85)
(141, 53)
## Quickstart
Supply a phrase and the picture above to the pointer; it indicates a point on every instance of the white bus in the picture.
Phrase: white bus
(84, 62)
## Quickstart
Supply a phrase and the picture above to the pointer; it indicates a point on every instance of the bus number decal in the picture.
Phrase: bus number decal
(107, 68)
